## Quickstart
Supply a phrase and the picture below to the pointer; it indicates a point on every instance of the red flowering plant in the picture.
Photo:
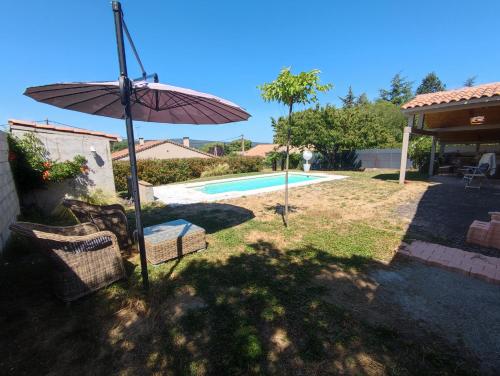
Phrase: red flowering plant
(32, 166)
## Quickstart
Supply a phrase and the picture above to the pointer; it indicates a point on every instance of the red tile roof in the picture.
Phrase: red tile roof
(66, 129)
(151, 144)
(263, 149)
(449, 96)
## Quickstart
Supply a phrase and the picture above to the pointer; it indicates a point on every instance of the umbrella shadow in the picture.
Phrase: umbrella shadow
(212, 216)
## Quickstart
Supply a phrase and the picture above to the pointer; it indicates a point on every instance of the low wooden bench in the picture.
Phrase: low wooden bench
(173, 239)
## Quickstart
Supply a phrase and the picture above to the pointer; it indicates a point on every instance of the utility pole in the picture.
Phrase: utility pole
(242, 145)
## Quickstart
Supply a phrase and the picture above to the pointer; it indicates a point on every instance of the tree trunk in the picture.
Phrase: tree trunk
(289, 130)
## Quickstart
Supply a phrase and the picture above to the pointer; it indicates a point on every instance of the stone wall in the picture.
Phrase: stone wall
(9, 204)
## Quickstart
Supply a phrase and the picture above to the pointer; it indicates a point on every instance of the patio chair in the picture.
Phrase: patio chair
(83, 258)
(486, 234)
(485, 167)
(105, 217)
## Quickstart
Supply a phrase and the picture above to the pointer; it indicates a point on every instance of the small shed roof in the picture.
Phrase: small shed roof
(59, 128)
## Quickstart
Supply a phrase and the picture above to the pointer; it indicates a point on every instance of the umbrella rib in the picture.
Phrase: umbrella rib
(86, 100)
(172, 97)
(138, 99)
(217, 112)
(66, 88)
(77, 93)
(107, 105)
(219, 107)
(208, 116)
(214, 103)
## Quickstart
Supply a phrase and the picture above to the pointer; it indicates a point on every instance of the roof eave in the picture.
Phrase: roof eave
(452, 106)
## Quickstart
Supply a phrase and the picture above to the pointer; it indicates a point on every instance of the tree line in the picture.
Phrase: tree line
(359, 123)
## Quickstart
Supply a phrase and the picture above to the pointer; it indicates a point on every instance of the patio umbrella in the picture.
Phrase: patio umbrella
(138, 100)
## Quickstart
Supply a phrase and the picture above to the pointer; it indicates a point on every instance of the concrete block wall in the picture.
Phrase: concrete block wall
(9, 203)
(64, 146)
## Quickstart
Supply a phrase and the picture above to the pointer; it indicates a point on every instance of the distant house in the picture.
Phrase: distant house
(262, 150)
(162, 149)
(63, 143)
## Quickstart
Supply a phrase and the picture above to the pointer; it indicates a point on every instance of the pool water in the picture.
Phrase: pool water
(254, 183)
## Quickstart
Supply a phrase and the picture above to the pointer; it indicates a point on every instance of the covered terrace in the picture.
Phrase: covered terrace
(469, 115)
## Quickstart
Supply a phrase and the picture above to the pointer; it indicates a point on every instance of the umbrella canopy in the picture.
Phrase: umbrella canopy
(149, 101)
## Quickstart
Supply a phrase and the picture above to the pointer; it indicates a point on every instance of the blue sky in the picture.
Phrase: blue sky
(227, 48)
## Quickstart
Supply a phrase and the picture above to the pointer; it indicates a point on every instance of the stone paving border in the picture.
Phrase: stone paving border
(468, 263)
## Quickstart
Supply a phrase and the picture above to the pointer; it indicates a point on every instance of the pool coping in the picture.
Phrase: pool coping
(184, 194)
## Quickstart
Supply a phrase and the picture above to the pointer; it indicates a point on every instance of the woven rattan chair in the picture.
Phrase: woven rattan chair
(105, 217)
(83, 258)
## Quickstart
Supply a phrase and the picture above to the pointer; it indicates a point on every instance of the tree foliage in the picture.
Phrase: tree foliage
(330, 130)
(349, 100)
(32, 166)
(229, 148)
(430, 84)
(362, 100)
(290, 89)
(399, 92)
(469, 82)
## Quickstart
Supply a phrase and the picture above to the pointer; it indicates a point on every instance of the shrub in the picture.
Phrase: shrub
(32, 167)
(165, 171)
(220, 169)
(419, 152)
(278, 157)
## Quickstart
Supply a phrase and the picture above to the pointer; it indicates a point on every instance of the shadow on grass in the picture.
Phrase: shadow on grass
(410, 176)
(212, 217)
(258, 312)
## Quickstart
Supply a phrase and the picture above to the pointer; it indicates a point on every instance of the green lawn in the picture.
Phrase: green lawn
(249, 304)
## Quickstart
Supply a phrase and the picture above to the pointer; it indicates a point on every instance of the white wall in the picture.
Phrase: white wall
(65, 146)
(9, 204)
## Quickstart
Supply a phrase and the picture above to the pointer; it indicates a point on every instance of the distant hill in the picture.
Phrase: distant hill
(197, 144)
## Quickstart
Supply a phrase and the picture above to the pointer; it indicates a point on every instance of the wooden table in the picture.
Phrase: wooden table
(173, 239)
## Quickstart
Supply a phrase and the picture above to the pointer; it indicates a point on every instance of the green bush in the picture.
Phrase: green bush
(32, 166)
(295, 160)
(220, 169)
(165, 171)
(419, 152)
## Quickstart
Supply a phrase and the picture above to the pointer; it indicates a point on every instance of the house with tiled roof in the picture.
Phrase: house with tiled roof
(262, 150)
(162, 149)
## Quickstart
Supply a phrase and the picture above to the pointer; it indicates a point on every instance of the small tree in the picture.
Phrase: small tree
(470, 81)
(400, 91)
(290, 89)
(349, 100)
(430, 84)
(362, 100)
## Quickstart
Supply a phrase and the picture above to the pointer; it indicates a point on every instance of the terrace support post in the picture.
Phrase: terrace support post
(442, 147)
(433, 157)
(404, 149)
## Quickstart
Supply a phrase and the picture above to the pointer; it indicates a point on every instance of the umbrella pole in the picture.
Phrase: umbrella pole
(125, 86)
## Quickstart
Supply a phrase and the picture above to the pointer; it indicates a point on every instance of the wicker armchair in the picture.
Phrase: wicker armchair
(105, 217)
(83, 258)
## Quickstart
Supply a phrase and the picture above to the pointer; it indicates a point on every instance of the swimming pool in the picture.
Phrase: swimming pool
(258, 182)
(221, 189)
